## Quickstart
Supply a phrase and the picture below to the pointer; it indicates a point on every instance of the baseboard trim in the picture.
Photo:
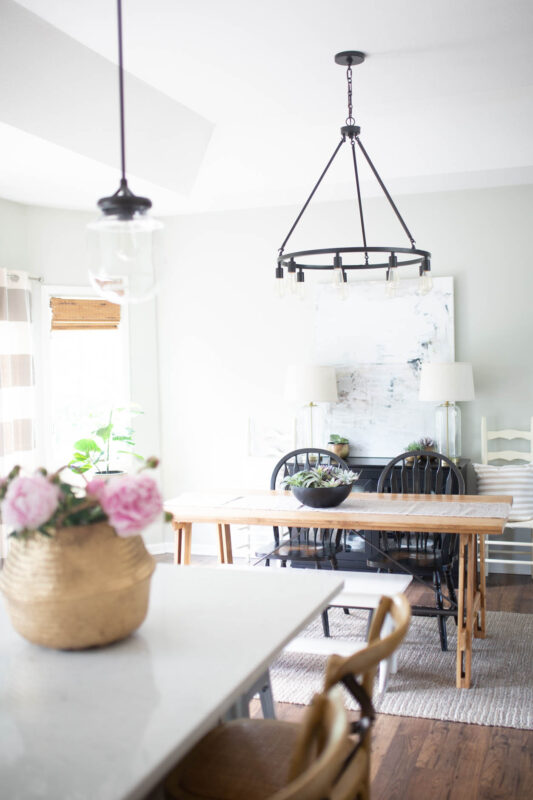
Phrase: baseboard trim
(163, 548)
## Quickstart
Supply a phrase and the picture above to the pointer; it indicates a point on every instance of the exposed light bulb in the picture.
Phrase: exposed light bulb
(279, 288)
(393, 282)
(300, 285)
(291, 282)
(425, 283)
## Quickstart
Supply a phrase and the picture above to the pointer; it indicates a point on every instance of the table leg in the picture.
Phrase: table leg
(187, 532)
(480, 629)
(221, 553)
(227, 544)
(465, 616)
(178, 542)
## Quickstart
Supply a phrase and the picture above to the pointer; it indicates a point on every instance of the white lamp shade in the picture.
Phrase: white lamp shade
(307, 383)
(450, 382)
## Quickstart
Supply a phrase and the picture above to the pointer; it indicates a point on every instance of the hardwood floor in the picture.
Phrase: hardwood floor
(425, 759)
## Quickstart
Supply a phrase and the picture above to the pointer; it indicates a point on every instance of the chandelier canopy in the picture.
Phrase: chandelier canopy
(343, 259)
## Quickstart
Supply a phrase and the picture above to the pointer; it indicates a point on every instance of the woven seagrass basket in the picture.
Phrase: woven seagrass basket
(84, 587)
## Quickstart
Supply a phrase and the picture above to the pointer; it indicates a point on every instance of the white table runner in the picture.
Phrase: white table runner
(368, 505)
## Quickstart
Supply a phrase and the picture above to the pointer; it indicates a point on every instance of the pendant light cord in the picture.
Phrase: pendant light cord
(121, 95)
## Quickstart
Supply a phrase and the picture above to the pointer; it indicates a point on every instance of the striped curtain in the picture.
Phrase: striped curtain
(17, 390)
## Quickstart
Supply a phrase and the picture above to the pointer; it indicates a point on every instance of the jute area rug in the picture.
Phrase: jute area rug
(424, 686)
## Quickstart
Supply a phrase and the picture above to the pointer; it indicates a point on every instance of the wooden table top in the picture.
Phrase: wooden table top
(190, 508)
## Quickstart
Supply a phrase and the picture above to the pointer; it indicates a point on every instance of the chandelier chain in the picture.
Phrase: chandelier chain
(349, 119)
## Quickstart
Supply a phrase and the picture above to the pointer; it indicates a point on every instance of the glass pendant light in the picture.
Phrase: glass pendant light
(122, 242)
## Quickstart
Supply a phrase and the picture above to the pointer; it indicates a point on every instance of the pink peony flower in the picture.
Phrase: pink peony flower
(131, 502)
(29, 502)
(96, 487)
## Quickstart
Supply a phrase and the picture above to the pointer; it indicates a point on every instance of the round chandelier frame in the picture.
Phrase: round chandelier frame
(358, 257)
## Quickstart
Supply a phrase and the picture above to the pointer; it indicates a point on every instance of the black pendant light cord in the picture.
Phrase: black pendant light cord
(121, 91)
(121, 96)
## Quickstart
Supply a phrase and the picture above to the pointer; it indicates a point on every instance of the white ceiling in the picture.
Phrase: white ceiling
(238, 104)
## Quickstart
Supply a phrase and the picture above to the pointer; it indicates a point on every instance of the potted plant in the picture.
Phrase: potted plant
(111, 440)
(321, 487)
(424, 443)
(77, 573)
(339, 445)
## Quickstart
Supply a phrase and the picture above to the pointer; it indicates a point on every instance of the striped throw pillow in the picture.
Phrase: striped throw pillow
(514, 480)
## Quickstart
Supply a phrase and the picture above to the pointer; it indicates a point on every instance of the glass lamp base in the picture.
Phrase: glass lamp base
(448, 430)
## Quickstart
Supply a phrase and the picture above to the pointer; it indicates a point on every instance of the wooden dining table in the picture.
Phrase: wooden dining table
(471, 517)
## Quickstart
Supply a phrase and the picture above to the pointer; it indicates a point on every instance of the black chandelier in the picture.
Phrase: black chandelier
(344, 259)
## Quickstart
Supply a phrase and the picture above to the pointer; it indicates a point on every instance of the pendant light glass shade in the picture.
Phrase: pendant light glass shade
(122, 257)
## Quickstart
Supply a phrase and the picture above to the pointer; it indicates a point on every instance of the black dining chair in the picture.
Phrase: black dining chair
(305, 544)
(309, 546)
(430, 557)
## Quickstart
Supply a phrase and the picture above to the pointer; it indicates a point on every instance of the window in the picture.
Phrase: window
(85, 368)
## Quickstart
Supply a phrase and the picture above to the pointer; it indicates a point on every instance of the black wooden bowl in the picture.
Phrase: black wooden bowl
(325, 497)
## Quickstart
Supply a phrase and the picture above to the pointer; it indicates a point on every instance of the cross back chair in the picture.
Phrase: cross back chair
(505, 547)
(426, 556)
(305, 544)
(323, 758)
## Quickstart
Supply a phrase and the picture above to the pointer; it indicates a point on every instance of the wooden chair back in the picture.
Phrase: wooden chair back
(320, 750)
(510, 435)
(357, 673)
(325, 762)
(364, 663)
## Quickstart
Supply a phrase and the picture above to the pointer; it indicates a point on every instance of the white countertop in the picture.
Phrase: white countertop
(107, 724)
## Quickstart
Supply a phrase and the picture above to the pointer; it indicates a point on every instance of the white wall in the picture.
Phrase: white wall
(225, 339)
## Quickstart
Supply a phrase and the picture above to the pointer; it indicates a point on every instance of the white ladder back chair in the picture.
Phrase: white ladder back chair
(505, 455)
(524, 455)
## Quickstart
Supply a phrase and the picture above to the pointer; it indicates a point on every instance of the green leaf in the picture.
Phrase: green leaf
(86, 446)
(105, 432)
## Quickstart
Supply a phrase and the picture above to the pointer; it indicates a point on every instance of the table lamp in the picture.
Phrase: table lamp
(447, 384)
(307, 384)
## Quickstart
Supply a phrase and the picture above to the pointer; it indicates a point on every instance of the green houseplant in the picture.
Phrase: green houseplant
(102, 451)
(424, 443)
(339, 445)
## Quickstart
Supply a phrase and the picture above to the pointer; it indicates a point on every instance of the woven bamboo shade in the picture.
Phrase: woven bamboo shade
(70, 313)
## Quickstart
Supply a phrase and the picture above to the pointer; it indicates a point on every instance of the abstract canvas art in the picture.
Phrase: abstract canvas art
(377, 344)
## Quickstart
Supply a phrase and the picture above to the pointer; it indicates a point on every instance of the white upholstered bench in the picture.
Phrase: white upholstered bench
(361, 590)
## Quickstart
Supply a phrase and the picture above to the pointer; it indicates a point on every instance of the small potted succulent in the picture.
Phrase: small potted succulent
(324, 486)
(339, 445)
(424, 443)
